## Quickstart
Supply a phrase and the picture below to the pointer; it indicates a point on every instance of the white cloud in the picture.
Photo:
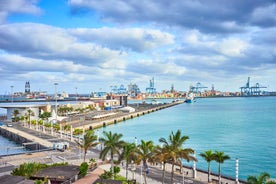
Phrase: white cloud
(136, 39)
(8, 7)
(232, 47)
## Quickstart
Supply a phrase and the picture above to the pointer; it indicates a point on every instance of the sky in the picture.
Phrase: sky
(92, 45)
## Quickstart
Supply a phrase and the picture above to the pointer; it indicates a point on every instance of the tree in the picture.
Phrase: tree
(128, 154)
(29, 114)
(90, 140)
(145, 153)
(15, 113)
(174, 151)
(112, 145)
(208, 156)
(45, 115)
(220, 157)
(67, 128)
(261, 179)
(160, 156)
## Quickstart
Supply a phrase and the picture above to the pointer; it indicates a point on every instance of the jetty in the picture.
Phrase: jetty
(86, 121)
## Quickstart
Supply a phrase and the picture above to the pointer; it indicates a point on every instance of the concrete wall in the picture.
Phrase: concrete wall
(20, 140)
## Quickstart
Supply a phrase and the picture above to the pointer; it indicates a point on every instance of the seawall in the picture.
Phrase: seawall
(27, 141)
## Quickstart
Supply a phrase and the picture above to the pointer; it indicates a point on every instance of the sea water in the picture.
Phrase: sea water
(242, 127)
(8, 147)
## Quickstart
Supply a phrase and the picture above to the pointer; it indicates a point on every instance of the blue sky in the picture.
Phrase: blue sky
(92, 45)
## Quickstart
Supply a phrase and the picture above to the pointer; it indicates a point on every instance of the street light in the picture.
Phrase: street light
(12, 94)
(135, 141)
(76, 93)
(56, 98)
(55, 108)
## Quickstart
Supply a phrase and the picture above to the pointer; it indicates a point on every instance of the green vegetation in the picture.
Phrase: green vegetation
(28, 169)
(15, 114)
(128, 154)
(209, 157)
(217, 156)
(112, 146)
(263, 178)
(220, 157)
(89, 141)
(83, 169)
(174, 152)
(144, 154)
(29, 114)
(77, 131)
(114, 173)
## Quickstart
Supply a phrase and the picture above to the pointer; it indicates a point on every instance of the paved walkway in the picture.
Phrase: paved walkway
(90, 178)
(155, 175)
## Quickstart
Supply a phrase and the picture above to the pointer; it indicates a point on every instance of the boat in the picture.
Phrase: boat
(190, 98)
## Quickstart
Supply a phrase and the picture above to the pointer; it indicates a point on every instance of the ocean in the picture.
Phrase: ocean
(242, 127)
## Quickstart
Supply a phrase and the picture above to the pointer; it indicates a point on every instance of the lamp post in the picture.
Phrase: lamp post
(135, 141)
(12, 94)
(56, 98)
(76, 93)
(55, 108)
(194, 165)
(237, 171)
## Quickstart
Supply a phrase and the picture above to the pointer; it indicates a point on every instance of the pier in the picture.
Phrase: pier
(140, 110)
(27, 141)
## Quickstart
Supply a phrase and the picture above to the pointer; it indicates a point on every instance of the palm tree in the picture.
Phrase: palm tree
(128, 154)
(29, 114)
(174, 151)
(220, 157)
(45, 115)
(89, 141)
(160, 156)
(67, 128)
(145, 153)
(15, 113)
(262, 179)
(112, 145)
(208, 156)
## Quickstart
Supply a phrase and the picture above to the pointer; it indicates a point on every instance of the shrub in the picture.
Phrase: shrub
(83, 169)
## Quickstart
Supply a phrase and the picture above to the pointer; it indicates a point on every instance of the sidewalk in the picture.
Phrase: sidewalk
(90, 177)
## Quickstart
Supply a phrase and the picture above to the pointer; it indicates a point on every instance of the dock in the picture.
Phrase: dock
(141, 109)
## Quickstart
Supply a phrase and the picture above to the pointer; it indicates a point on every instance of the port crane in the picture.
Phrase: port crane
(118, 90)
(251, 91)
(197, 88)
(151, 89)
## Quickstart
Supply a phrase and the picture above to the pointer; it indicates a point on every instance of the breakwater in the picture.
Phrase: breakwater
(28, 142)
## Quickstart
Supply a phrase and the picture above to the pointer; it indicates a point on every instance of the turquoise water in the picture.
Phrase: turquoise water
(243, 128)
(10, 147)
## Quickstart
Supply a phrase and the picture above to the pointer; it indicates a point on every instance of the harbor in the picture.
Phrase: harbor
(74, 156)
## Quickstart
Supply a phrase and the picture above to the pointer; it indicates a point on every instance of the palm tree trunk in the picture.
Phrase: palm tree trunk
(144, 170)
(163, 174)
(112, 167)
(126, 168)
(208, 172)
(84, 155)
(219, 173)
(172, 173)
